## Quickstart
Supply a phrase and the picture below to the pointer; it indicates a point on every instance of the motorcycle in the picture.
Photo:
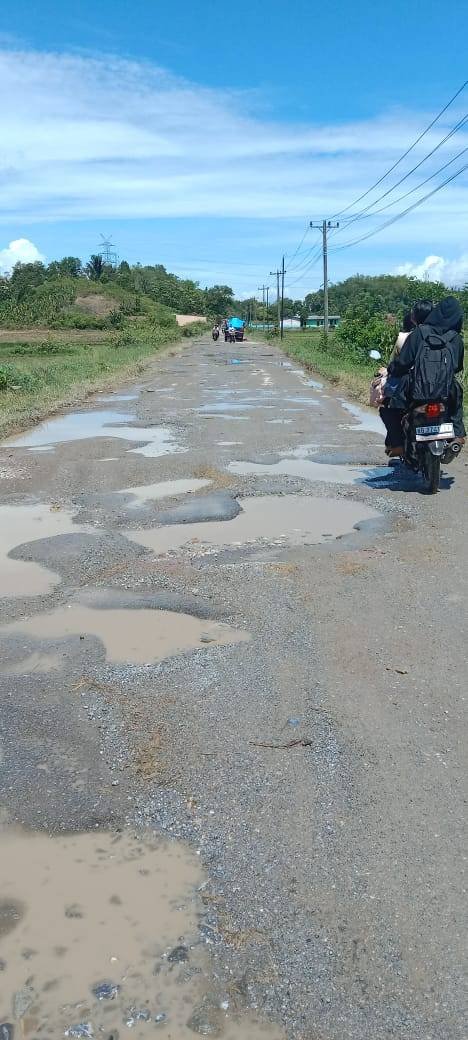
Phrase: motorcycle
(429, 441)
(215, 334)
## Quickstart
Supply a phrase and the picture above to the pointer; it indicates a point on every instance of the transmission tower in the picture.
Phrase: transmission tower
(107, 251)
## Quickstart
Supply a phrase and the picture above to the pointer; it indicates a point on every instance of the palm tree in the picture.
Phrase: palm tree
(95, 267)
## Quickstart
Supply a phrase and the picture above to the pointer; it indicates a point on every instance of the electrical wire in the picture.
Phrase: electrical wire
(306, 232)
(458, 126)
(421, 184)
(404, 212)
(407, 152)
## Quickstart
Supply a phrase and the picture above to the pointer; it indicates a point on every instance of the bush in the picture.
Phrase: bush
(196, 328)
(361, 332)
(12, 378)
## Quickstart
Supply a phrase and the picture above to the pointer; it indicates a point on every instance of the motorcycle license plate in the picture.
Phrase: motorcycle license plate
(429, 433)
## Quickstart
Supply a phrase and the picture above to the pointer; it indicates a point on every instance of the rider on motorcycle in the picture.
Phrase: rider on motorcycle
(428, 361)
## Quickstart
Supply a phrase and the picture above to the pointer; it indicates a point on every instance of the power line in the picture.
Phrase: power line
(404, 213)
(306, 232)
(408, 150)
(311, 263)
(362, 213)
(417, 186)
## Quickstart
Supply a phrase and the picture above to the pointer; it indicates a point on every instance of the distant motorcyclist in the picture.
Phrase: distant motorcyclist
(430, 358)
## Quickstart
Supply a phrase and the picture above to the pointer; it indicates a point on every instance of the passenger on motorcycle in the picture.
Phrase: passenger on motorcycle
(427, 364)
(394, 406)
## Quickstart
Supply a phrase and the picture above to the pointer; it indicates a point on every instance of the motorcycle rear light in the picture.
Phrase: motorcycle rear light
(434, 409)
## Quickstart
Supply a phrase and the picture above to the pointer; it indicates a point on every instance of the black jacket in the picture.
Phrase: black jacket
(446, 316)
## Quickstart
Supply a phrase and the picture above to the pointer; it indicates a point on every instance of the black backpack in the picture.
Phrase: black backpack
(435, 365)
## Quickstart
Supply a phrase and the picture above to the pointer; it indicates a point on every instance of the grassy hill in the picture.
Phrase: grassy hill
(65, 337)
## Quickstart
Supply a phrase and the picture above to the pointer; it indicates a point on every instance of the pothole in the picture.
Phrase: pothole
(164, 489)
(20, 525)
(365, 420)
(102, 938)
(135, 636)
(77, 426)
(294, 519)
(318, 471)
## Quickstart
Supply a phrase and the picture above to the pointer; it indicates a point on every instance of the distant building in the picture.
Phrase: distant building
(316, 321)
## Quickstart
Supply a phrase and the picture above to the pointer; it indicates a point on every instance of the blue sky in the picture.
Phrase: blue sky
(205, 136)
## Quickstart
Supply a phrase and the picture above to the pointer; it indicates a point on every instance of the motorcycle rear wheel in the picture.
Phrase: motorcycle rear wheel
(432, 467)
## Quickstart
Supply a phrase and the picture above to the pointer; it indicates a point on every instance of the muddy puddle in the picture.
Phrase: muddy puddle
(28, 523)
(164, 489)
(78, 426)
(310, 470)
(135, 636)
(292, 519)
(231, 406)
(99, 937)
(364, 419)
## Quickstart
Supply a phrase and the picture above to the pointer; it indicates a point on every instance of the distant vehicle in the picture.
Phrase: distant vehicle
(215, 332)
(238, 325)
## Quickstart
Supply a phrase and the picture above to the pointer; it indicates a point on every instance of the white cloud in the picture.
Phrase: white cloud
(21, 250)
(86, 138)
(437, 269)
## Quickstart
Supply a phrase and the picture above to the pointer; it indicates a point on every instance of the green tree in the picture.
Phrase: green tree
(95, 267)
(26, 276)
(219, 301)
(68, 267)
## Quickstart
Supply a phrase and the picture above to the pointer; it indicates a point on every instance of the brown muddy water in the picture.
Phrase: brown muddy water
(294, 519)
(138, 636)
(27, 523)
(99, 938)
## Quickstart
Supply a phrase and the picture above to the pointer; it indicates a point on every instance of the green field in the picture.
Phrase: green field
(39, 376)
(63, 339)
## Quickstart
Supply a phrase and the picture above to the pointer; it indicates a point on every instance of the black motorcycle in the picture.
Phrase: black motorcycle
(215, 334)
(429, 441)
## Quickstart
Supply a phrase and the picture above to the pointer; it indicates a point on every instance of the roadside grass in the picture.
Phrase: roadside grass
(38, 378)
(340, 369)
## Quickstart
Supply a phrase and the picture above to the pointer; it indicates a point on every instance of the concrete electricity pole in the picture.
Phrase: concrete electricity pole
(325, 226)
(282, 299)
(276, 274)
(264, 289)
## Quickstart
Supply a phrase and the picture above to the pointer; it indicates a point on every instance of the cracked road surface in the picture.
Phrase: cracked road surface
(225, 622)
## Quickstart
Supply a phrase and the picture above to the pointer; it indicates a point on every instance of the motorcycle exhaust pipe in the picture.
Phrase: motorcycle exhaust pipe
(455, 448)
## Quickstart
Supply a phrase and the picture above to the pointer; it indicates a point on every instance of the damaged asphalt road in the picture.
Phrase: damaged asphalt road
(286, 700)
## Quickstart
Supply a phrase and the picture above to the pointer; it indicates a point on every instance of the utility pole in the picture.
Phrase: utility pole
(282, 299)
(276, 274)
(325, 226)
(263, 289)
(267, 290)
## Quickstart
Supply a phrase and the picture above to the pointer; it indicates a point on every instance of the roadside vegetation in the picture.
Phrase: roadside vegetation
(372, 309)
(65, 331)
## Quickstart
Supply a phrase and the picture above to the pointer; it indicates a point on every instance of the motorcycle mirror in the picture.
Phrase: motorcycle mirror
(375, 355)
